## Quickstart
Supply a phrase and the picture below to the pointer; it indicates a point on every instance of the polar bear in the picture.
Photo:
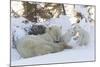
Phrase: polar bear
(68, 35)
(83, 37)
(50, 42)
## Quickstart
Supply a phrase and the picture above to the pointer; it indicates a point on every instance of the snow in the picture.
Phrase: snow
(17, 7)
(14, 55)
(68, 55)
(76, 54)
(17, 27)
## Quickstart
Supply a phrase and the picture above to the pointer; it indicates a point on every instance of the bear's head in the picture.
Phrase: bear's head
(55, 33)
(71, 32)
(76, 27)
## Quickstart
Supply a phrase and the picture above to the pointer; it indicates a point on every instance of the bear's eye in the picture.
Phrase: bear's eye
(50, 28)
(72, 32)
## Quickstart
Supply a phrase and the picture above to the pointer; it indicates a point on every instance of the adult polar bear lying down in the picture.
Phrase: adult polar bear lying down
(50, 42)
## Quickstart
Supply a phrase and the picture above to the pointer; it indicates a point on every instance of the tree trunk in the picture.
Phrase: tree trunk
(64, 12)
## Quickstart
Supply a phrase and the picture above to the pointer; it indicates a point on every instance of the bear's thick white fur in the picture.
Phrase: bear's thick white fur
(30, 46)
(83, 36)
(68, 35)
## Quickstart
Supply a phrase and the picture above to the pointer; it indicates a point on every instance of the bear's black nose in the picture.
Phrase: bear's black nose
(56, 41)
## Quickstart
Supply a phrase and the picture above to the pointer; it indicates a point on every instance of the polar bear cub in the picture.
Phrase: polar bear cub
(67, 37)
(83, 36)
(50, 42)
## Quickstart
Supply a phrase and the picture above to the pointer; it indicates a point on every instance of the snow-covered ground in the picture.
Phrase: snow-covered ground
(76, 54)
(68, 55)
